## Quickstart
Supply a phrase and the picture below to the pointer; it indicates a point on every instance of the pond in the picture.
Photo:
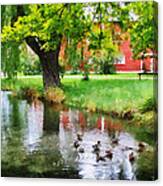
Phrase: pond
(40, 140)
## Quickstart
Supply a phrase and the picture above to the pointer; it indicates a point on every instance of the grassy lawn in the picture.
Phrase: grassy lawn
(98, 76)
(107, 94)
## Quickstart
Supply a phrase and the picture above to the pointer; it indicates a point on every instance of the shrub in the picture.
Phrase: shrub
(149, 105)
(54, 95)
(29, 93)
(91, 106)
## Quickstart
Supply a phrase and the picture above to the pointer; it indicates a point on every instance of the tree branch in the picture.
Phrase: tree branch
(33, 43)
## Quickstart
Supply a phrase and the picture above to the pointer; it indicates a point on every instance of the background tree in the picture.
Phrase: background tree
(29, 61)
(101, 38)
(10, 50)
(140, 19)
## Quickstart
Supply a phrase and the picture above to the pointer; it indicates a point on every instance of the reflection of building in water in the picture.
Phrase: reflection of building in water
(34, 124)
(67, 133)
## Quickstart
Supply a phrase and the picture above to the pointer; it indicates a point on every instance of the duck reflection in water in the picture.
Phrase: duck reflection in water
(79, 137)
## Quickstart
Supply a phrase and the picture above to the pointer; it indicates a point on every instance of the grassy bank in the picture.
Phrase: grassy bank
(96, 94)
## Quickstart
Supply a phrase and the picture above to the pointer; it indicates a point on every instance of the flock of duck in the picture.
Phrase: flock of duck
(108, 153)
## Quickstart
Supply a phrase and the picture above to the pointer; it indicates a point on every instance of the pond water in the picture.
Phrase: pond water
(39, 140)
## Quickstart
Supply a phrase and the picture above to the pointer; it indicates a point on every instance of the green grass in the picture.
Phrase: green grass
(101, 93)
(33, 82)
(108, 94)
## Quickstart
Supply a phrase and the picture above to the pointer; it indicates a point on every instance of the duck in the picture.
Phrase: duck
(141, 147)
(79, 137)
(96, 148)
(81, 150)
(141, 144)
(76, 144)
(131, 157)
(99, 158)
(99, 143)
(115, 141)
(109, 154)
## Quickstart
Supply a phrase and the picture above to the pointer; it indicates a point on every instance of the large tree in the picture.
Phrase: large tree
(43, 28)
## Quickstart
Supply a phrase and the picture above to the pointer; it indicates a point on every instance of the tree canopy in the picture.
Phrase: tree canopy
(43, 27)
(47, 23)
(144, 29)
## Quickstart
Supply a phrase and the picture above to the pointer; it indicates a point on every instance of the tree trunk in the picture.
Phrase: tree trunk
(50, 68)
(49, 62)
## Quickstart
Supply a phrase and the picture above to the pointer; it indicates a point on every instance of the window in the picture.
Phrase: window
(119, 59)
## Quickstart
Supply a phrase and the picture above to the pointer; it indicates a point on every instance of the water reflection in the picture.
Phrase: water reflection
(41, 140)
(34, 120)
(13, 125)
(50, 119)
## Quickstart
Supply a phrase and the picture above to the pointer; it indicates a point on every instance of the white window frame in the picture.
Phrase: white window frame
(119, 60)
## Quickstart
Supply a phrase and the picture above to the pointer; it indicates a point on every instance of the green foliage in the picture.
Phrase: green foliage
(10, 59)
(104, 61)
(29, 61)
(149, 105)
(21, 83)
(48, 23)
(145, 29)
(10, 51)
(74, 57)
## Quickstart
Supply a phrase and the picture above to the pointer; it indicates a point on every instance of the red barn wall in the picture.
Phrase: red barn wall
(130, 63)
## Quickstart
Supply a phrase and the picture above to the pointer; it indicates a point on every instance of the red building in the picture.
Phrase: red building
(124, 62)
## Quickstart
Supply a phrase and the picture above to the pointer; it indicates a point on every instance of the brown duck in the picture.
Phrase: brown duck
(115, 141)
(99, 158)
(96, 148)
(109, 154)
(76, 144)
(131, 157)
(81, 150)
(141, 147)
(79, 137)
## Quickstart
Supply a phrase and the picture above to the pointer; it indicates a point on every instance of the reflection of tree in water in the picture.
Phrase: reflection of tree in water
(14, 152)
(46, 160)
(51, 119)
